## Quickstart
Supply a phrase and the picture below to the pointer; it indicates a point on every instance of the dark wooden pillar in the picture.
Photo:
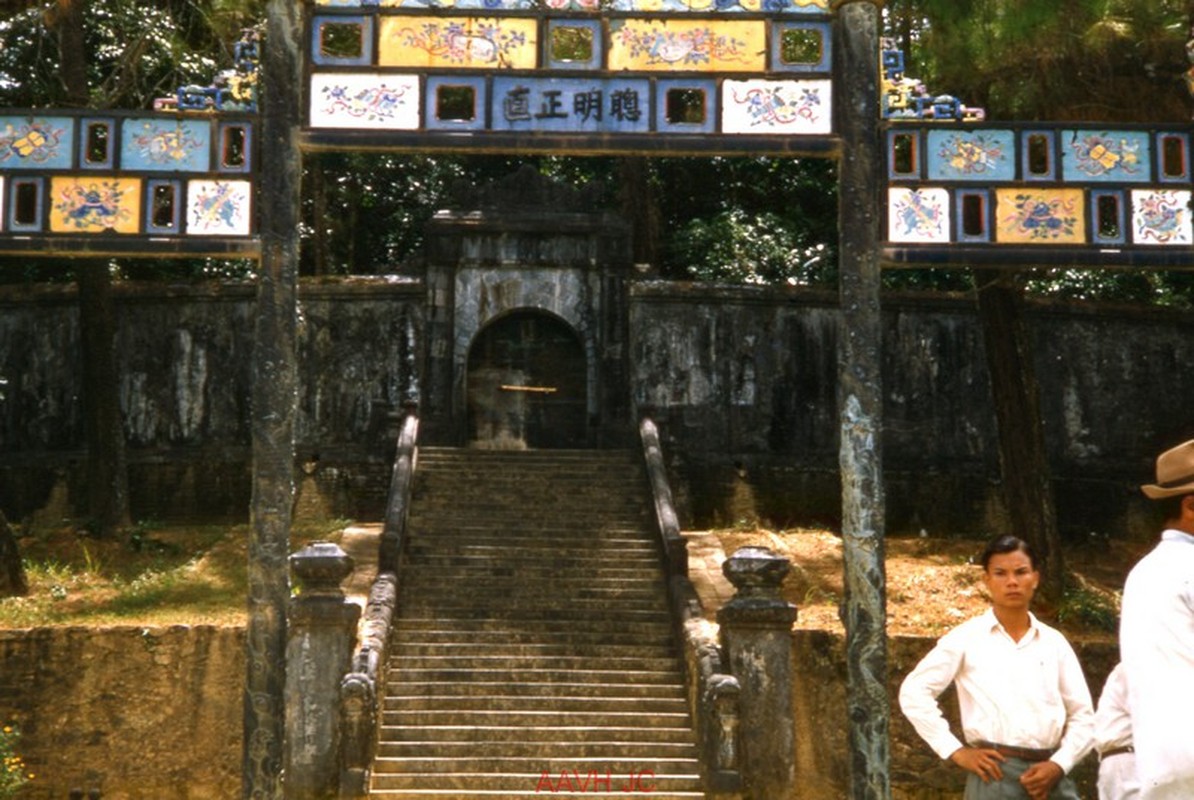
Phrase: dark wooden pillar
(273, 403)
(860, 393)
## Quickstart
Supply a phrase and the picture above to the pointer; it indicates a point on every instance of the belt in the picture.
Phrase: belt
(1022, 753)
(1116, 751)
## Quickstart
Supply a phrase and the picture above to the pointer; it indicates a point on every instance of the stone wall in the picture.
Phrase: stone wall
(742, 383)
(151, 713)
(741, 380)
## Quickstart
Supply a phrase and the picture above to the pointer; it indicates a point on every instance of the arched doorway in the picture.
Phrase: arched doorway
(527, 384)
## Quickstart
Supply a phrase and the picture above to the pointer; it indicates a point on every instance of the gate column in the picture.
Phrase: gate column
(860, 394)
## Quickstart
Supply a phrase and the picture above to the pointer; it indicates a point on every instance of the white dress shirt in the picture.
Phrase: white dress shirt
(1113, 723)
(1031, 693)
(1113, 730)
(1156, 641)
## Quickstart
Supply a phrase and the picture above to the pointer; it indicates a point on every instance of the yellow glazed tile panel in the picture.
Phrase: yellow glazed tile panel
(688, 45)
(90, 204)
(1040, 216)
(474, 42)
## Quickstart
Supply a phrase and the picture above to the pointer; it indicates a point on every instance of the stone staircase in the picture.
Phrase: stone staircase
(532, 652)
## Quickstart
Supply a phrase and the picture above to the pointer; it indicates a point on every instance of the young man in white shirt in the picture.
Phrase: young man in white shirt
(1156, 637)
(1027, 717)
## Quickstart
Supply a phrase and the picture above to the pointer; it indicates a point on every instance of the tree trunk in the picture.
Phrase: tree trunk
(68, 23)
(1023, 459)
(640, 207)
(12, 571)
(107, 473)
(107, 476)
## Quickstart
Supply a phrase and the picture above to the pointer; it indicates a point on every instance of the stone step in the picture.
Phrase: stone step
(484, 735)
(606, 749)
(567, 530)
(511, 549)
(612, 689)
(473, 628)
(540, 719)
(407, 649)
(542, 606)
(399, 674)
(631, 664)
(537, 765)
(581, 782)
(557, 704)
(521, 577)
(559, 626)
(586, 641)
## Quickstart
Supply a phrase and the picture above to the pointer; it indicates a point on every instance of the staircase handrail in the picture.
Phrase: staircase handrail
(675, 547)
(712, 690)
(359, 698)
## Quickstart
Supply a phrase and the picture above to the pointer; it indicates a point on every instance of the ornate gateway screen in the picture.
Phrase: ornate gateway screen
(657, 76)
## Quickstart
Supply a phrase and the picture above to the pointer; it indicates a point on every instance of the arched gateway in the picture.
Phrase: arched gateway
(526, 384)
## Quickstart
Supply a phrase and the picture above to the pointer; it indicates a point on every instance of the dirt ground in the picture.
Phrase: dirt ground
(198, 575)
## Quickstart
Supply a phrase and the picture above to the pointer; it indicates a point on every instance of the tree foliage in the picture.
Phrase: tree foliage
(136, 51)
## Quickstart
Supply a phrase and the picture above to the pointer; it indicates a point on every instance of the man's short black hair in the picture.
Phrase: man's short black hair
(1169, 509)
(1007, 544)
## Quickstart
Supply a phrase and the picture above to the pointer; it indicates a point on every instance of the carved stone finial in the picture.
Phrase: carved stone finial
(756, 571)
(321, 566)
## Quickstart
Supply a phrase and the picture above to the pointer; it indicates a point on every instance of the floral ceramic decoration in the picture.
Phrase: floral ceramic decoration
(346, 100)
(1161, 217)
(776, 107)
(971, 155)
(166, 145)
(679, 6)
(1121, 156)
(91, 204)
(475, 42)
(655, 45)
(918, 215)
(1040, 216)
(35, 142)
(218, 208)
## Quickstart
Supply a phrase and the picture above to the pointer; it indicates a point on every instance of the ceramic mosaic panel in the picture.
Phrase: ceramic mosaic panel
(918, 215)
(166, 145)
(571, 104)
(36, 142)
(679, 6)
(776, 107)
(972, 155)
(476, 42)
(218, 208)
(1113, 156)
(652, 45)
(345, 100)
(94, 204)
(1027, 215)
(1161, 217)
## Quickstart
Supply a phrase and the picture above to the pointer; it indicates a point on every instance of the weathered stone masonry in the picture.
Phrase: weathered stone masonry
(741, 380)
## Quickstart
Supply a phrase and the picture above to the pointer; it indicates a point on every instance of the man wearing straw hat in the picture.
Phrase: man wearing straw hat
(1156, 637)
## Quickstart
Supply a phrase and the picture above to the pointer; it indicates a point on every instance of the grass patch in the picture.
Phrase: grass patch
(166, 575)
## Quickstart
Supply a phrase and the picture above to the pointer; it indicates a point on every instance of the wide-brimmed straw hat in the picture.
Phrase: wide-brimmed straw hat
(1175, 473)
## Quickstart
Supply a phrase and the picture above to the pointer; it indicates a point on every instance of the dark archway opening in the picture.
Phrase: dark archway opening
(527, 384)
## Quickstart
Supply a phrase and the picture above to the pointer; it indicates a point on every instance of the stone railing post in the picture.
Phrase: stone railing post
(756, 636)
(322, 632)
